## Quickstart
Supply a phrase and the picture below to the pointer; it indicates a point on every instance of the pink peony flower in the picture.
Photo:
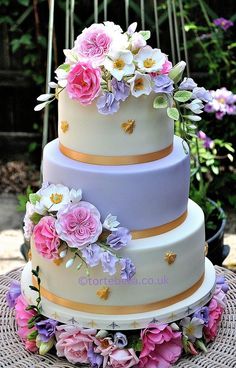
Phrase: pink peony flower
(46, 239)
(83, 83)
(93, 44)
(215, 313)
(73, 343)
(161, 346)
(166, 67)
(22, 318)
(123, 358)
(78, 224)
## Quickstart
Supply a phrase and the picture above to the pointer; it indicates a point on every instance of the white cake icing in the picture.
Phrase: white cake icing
(97, 134)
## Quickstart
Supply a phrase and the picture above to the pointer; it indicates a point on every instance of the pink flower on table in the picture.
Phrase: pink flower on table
(161, 346)
(93, 44)
(83, 83)
(22, 318)
(74, 342)
(123, 358)
(215, 313)
(46, 239)
(79, 224)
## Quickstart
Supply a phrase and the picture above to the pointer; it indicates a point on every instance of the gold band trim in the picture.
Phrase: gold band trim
(115, 160)
(114, 310)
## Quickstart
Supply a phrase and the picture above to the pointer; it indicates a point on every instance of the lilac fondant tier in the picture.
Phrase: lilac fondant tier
(142, 195)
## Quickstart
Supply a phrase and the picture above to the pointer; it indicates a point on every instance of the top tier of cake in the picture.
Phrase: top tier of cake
(137, 130)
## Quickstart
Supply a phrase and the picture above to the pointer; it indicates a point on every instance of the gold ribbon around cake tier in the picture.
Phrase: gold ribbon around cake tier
(115, 160)
(117, 309)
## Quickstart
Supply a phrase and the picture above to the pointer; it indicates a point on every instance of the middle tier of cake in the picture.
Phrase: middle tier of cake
(143, 196)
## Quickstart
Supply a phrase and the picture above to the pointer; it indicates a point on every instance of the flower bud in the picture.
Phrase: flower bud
(177, 71)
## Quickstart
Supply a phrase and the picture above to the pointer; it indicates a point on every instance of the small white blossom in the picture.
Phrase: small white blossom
(54, 197)
(132, 28)
(149, 59)
(140, 84)
(136, 42)
(192, 328)
(119, 39)
(195, 106)
(75, 195)
(119, 64)
(110, 222)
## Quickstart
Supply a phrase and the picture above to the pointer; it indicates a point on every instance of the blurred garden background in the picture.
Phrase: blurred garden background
(201, 31)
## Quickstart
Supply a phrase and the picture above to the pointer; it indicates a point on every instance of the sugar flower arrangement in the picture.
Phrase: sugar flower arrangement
(66, 228)
(157, 345)
(107, 65)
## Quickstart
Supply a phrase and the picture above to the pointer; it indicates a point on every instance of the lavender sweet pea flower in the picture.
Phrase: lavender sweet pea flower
(120, 340)
(107, 104)
(163, 84)
(119, 238)
(203, 314)
(109, 263)
(92, 254)
(120, 89)
(223, 23)
(46, 329)
(207, 141)
(95, 359)
(13, 293)
(220, 281)
(128, 269)
(202, 94)
(187, 84)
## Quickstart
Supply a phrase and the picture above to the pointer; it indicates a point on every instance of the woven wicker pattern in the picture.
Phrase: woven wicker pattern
(222, 353)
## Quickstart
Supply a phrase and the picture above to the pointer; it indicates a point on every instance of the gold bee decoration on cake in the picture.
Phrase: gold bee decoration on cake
(92, 324)
(58, 261)
(170, 257)
(64, 126)
(128, 126)
(103, 292)
(135, 325)
(206, 249)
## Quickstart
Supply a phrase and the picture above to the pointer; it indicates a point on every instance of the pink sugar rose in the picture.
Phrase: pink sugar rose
(93, 44)
(73, 343)
(161, 346)
(78, 224)
(123, 358)
(83, 83)
(22, 318)
(215, 313)
(46, 239)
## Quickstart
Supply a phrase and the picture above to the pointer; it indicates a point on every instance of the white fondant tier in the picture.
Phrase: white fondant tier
(133, 321)
(142, 196)
(93, 133)
(155, 280)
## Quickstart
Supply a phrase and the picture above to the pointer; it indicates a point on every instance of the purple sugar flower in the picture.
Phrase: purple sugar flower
(203, 314)
(109, 262)
(46, 329)
(119, 238)
(107, 104)
(207, 142)
(187, 84)
(223, 23)
(128, 269)
(220, 281)
(120, 89)
(202, 94)
(95, 359)
(13, 293)
(163, 84)
(120, 340)
(92, 254)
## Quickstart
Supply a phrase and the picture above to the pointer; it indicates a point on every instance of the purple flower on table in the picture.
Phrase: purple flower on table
(120, 89)
(202, 94)
(119, 238)
(120, 340)
(187, 84)
(46, 329)
(107, 104)
(207, 141)
(192, 327)
(128, 269)
(13, 293)
(203, 314)
(92, 254)
(163, 84)
(109, 262)
(220, 282)
(223, 23)
(94, 359)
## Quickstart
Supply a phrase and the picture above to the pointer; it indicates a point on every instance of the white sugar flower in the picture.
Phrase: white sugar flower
(119, 64)
(195, 106)
(149, 59)
(140, 84)
(119, 39)
(54, 197)
(110, 222)
(136, 42)
(75, 195)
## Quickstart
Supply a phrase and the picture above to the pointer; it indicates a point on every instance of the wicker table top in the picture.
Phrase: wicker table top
(221, 353)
